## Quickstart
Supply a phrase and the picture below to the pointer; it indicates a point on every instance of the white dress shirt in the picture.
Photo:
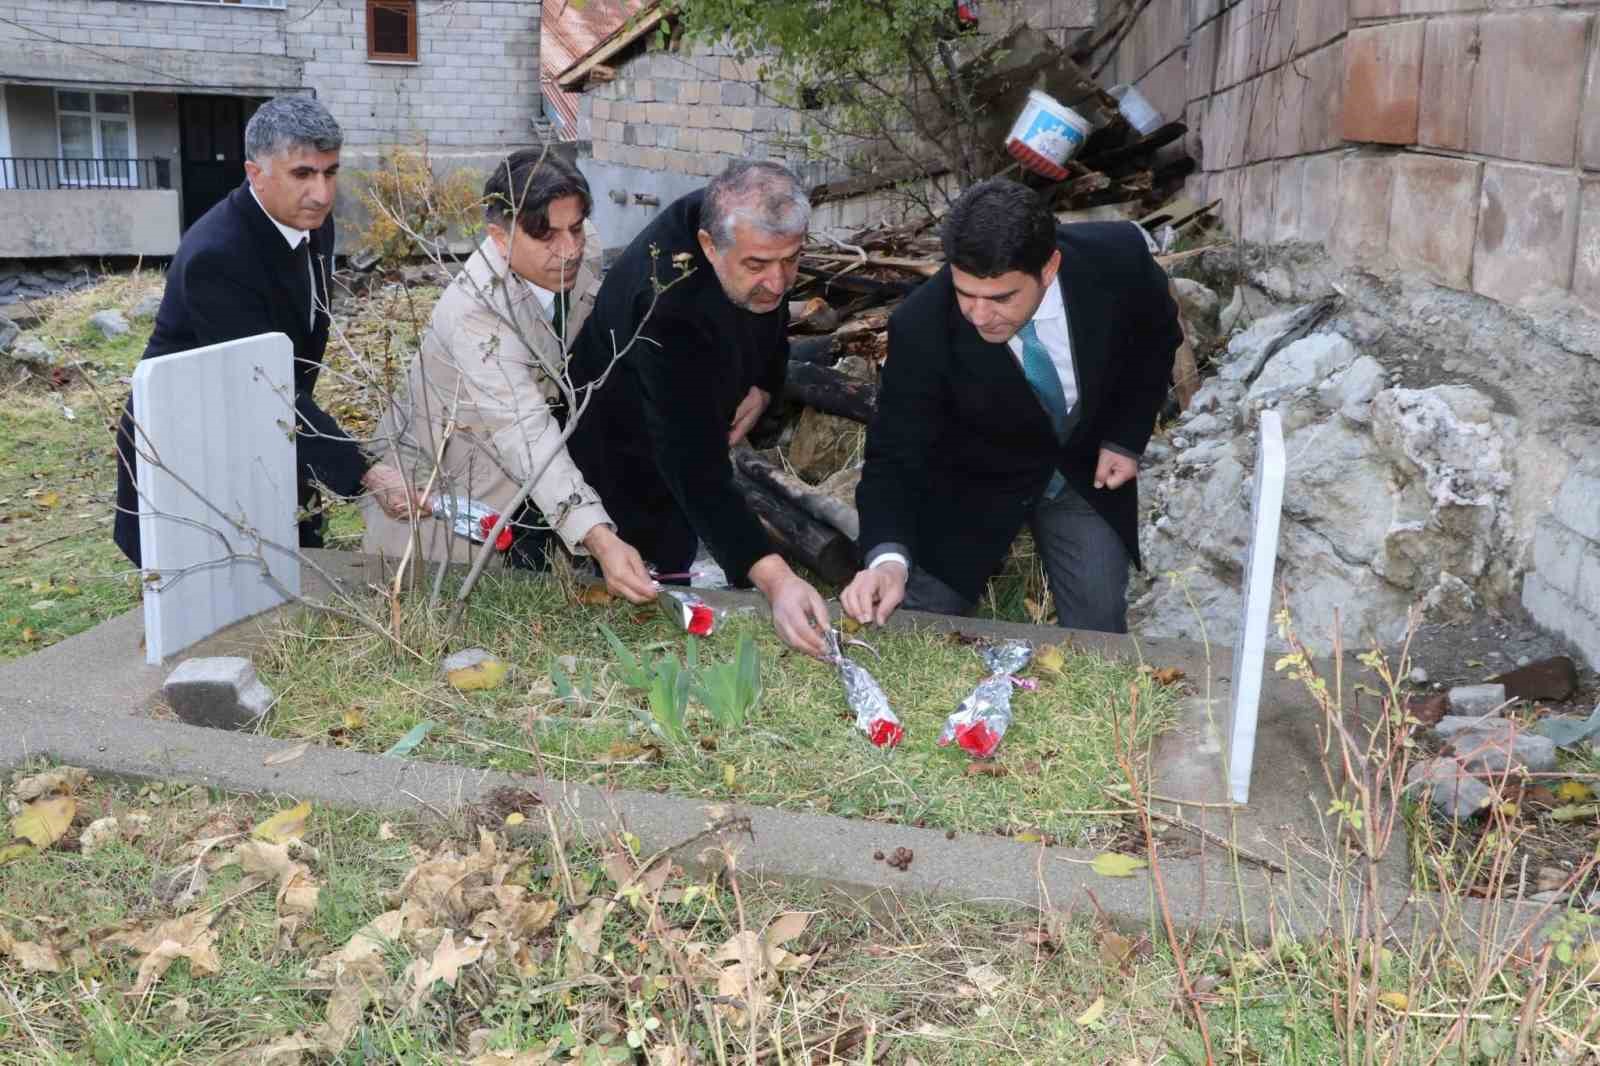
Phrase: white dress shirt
(294, 237)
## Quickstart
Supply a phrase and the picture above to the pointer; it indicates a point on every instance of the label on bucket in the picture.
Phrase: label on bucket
(1050, 136)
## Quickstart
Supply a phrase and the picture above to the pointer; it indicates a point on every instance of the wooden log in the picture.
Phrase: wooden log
(815, 351)
(833, 279)
(819, 505)
(820, 548)
(831, 392)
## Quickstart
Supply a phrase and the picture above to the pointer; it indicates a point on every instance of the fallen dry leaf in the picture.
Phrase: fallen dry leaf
(1094, 1013)
(14, 851)
(32, 955)
(1050, 659)
(43, 822)
(594, 596)
(187, 937)
(1574, 792)
(445, 965)
(528, 1057)
(986, 978)
(1167, 675)
(287, 755)
(481, 676)
(98, 834)
(1395, 1001)
(285, 825)
(385, 831)
(985, 768)
(65, 779)
(297, 890)
(1111, 864)
(1115, 949)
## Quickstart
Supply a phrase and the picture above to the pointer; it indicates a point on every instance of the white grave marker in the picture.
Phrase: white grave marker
(1261, 565)
(216, 470)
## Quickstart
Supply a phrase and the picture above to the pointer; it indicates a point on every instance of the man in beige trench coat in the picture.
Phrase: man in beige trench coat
(487, 371)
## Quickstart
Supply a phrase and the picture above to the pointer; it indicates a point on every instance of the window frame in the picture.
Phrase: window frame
(101, 177)
(409, 7)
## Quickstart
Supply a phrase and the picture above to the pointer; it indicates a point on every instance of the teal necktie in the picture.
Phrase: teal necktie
(1041, 374)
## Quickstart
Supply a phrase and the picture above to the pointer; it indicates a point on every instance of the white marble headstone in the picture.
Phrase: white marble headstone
(1260, 573)
(217, 497)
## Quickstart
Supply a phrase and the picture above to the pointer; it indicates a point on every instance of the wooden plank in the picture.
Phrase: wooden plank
(625, 35)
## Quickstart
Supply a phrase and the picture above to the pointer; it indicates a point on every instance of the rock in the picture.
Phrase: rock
(1204, 453)
(8, 285)
(473, 669)
(1450, 600)
(1453, 792)
(1201, 307)
(1307, 362)
(853, 366)
(1203, 425)
(1231, 317)
(842, 486)
(824, 444)
(1554, 679)
(110, 323)
(1250, 350)
(1217, 394)
(8, 332)
(33, 353)
(1418, 676)
(1568, 731)
(1351, 392)
(147, 307)
(220, 692)
(34, 281)
(1156, 452)
(1477, 700)
(1498, 746)
(1428, 709)
(1452, 725)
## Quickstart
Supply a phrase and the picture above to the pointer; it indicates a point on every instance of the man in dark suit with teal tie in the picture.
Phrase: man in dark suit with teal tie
(1022, 385)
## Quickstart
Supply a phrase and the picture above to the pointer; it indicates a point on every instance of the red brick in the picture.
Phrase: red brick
(1434, 216)
(1382, 78)
(1528, 85)
(1319, 22)
(1527, 227)
(1289, 180)
(1589, 151)
(1322, 98)
(1200, 62)
(1260, 185)
(1586, 273)
(1319, 196)
(1449, 64)
(1361, 227)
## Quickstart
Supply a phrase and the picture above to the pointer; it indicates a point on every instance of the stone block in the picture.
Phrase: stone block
(1555, 610)
(1166, 88)
(1434, 216)
(1256, 211)
(1558, 555)
(1577, 505)
(1264, 96)
(1290, 184)
(1200, 61)
(219, 692)
(1317, 23)
(1586, 265)
(1280, 22)
(1382, 82)
(1452, 791)
(1287, 127)
(1319, 197)
(1589, 134)
(1527, 231)
(1322, 98)
(1449, 61)
(1473, 701)
(1527, 85)
(1361, 226)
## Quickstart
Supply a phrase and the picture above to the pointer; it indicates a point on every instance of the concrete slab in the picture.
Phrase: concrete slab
(1527, 230)
(1434, 217)
(1449, 65)
(1586, 266)
(1361, 227)
(1527, 90)
(1260, 185)
(1589, 134)
(1382, 82)
(1289, 185)
(1323, 96)
(1319, 196)
(1318, 23)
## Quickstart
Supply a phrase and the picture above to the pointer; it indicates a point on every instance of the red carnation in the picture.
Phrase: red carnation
(486, 524)
(701, 619)
(884, 733)
(978, 739)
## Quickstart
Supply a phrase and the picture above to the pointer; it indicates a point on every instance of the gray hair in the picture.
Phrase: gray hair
(286, 122)
(765, 195)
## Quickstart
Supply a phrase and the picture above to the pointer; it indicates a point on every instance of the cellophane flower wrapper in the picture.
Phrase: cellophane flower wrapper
(874, 716)
(982, 719)
(472, 519)
(687, 610)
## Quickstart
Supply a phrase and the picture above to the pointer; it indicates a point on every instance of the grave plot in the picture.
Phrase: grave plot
(568, 707)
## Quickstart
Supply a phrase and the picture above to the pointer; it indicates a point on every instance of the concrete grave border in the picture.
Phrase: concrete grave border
(79, 716)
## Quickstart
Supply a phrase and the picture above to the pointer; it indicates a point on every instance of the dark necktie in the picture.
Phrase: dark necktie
(302, 258)
(558, 315)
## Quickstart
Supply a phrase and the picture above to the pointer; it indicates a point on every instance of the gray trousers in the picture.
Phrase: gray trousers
(1084, 561)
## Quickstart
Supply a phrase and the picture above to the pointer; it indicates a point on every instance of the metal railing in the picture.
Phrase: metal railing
(19, 172)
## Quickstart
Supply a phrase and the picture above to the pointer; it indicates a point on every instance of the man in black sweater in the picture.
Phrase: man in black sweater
(1023, 383)
(686, 346)
(259, 262)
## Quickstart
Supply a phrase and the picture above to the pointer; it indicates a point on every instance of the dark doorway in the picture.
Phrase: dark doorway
(211, 129)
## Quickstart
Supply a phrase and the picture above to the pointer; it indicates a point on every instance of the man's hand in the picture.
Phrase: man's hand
(798, 613)
(875, 593)
(749, 410)
(621, 564)
(398, 499)
(1114, 470)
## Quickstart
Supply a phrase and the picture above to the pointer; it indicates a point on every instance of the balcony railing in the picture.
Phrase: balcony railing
(18, 172)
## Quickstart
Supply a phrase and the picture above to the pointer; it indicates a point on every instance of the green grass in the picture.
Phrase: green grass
(800, 750)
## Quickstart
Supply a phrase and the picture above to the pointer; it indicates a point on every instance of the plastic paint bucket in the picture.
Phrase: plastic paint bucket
(1046, 135)
(1139, 112)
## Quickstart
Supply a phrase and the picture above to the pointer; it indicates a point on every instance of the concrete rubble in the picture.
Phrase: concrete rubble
(220, 692)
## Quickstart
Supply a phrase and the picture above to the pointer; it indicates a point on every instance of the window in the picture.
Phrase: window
(97, 141)
(392, 30)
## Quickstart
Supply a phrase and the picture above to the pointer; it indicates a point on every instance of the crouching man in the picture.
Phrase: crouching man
(482, 395)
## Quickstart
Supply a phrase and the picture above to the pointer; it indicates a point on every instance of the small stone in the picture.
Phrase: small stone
(1180, 442)
(146, 307)
(8, 332)
(877, 856)
(1418, 676)
(1477, 699)
(1231, 316)
(33, 353)
(1453, 792)
(219, 692)
(1204, 425)
(1496, 746)
(1524, 660)
(1554, 679)
(474, 669)
(109, 323)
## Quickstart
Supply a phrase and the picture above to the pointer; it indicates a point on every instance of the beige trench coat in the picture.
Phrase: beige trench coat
(488, 363)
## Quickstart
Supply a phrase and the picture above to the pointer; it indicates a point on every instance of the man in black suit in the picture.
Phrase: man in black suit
(259, 262)
(710, 353)
(1023, 383)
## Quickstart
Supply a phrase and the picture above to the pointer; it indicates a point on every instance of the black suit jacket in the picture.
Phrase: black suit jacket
(653, 440)
(961, 449)
(235, 276)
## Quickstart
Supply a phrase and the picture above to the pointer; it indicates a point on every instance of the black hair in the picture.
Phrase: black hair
(998, 226)
(526, 183)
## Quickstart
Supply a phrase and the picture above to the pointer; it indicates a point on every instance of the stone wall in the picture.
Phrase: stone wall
(671, 119)
(1563, 592)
